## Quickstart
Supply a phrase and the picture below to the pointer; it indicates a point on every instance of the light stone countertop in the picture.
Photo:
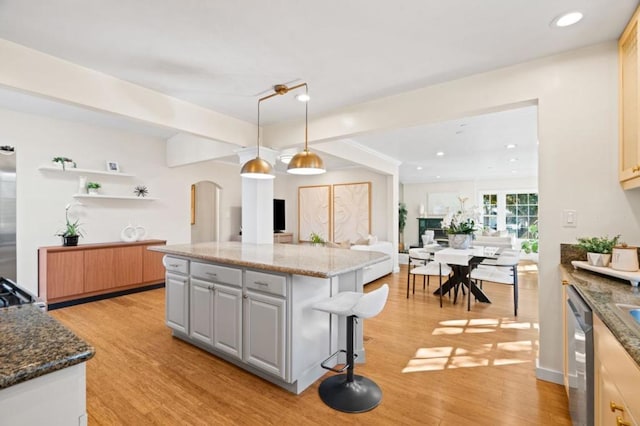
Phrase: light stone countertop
(298, 259)
(602, 293)
(34, 344)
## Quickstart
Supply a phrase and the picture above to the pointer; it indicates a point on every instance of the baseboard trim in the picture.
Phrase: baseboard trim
(80, 301)
(547, 375)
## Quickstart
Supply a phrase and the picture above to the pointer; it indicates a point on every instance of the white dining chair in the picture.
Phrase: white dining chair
(503, 270)
(422, 263)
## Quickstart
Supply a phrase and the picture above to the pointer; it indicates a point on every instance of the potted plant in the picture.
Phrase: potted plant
(530, 245)
(598, 249)
(316, 239)
(63, 161)
(402, 222)
(71, 232)
(460, 226)
(93, 187)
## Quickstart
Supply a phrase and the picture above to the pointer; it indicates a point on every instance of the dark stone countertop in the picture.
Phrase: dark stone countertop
(34, 344)
(601, 293)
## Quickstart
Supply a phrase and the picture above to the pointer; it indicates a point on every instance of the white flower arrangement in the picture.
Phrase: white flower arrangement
(463, 221)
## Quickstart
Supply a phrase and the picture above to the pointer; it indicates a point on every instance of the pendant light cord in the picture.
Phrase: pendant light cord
(258, 142)
(306, 119)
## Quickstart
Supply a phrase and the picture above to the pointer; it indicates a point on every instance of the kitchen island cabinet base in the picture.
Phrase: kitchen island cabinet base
(304, 381)
(60, 398)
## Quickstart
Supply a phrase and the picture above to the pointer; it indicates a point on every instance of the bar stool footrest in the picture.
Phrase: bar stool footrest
(334, 355)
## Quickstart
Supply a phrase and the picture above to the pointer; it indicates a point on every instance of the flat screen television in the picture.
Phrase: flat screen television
(278, 216)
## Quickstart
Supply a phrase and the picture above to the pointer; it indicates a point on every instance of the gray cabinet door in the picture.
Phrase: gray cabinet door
(177, 302)
(227, 319)
(264, 333)
(201, 312)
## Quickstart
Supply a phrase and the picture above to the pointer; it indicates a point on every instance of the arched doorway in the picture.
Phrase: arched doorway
(205, 211)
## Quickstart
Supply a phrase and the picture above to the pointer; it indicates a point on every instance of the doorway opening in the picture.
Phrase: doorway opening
(205, 212)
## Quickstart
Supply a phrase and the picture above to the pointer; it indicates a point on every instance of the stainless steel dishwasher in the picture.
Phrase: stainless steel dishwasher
(580, 356)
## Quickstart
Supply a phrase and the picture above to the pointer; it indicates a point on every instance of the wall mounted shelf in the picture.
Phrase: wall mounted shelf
(83, 171)
(114, 197)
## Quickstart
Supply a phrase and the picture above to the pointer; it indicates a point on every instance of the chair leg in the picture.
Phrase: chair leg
(515, 291)
(440, 278)
(348, 392)
(408, 278)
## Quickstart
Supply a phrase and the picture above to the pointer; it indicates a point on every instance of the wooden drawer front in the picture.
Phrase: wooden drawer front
(98, 270)
(65, 274)
(216, 273)
(268, 283)
(152, 267)
(173, 264)
(127, 266)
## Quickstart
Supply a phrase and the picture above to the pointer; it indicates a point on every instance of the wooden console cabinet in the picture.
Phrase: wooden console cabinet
(68, 273)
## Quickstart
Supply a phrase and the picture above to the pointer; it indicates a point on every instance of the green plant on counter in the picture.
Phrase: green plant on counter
(531, 245)
(316, 238)
(602, 245)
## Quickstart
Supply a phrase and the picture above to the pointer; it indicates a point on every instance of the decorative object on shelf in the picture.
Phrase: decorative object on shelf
(460, 225)
(93, 187)
(599, 249)
(63, 162)
(72, 230)
(141, 191)
(113, 166)
(624, 258)
(402, 222)
(132, 233)
(82, 185)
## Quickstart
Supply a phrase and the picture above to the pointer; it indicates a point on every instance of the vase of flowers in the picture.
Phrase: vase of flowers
(460, 226)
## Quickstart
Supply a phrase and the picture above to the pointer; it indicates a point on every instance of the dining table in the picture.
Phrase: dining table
(460, 261)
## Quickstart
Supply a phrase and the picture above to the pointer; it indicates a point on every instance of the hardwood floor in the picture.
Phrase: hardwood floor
(435, 366)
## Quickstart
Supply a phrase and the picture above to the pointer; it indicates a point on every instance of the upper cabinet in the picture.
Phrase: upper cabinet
(629, 137)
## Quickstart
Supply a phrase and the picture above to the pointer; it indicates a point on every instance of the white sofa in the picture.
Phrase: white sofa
(380, 269)
(506, 242)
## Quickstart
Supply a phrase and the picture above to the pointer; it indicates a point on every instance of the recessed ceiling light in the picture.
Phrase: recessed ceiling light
(513, 160)
(510, 146)
(438, 177)
(567, 19)
(419, 168)
(514, 171)
(286, 158)
(303, 97)
(439, 153)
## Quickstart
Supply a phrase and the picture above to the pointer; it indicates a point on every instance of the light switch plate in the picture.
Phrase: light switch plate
(569, 218)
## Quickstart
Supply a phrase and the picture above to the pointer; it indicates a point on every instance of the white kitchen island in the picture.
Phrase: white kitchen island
(251, 304)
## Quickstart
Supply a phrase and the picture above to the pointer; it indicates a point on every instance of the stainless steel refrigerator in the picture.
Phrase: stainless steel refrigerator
(8, 264)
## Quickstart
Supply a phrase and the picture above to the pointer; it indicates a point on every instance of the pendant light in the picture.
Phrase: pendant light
(257, 168)
(306, 162)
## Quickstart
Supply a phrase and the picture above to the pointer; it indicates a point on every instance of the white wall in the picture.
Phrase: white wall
(42, 195)
(414, 194)
(577, 97)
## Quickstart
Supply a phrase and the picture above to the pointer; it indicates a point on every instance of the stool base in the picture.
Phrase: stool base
(358, 396)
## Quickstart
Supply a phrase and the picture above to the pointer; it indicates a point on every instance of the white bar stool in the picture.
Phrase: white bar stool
(349, 392)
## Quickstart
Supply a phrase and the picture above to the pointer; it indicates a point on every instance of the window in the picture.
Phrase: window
(514, 211)
(521, 212)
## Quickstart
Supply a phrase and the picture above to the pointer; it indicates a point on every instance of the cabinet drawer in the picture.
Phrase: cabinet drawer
(216, 273)
(173, 264)
(268, 283)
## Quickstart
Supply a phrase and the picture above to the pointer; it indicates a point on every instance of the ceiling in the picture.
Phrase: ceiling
(224, 55)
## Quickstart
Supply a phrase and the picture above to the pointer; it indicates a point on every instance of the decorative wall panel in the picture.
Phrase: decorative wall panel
(351, 211)
(314, 211)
